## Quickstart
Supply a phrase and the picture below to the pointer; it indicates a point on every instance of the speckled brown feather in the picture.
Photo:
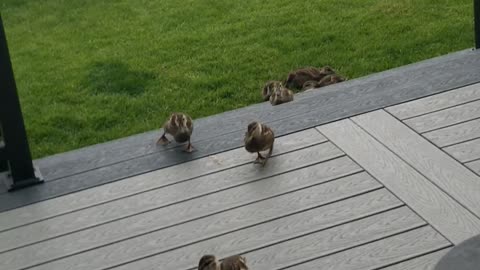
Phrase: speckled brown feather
(258, 140)
(269, 88)
(208, 262)
(280, 96)
(236, 262)
(297, 78)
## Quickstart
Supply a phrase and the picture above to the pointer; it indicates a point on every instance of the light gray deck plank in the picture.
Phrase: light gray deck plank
(272, 232)
(474, 165)
(380, 253)
(334, 240)
(454, 134)
(436, 102)
(445, 117)
(127, 187)
(175, 197)
(223, 222)
(439, 209)
(433, 163)
(425, 262)
(466, 151)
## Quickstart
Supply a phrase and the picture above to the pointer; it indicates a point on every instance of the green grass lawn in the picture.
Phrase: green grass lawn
(90, 71)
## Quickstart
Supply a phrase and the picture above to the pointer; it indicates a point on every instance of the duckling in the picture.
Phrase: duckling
(210, 262)
(297, 78)
(180, 126)
(236, 262)
(269, 88)
(308, 85)
(281, 95)
(330, 79)
(259, 138)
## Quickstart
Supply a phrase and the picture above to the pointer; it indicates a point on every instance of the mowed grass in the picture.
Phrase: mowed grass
(90, 71)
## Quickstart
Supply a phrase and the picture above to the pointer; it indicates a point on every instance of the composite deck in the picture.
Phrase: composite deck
(392, 185)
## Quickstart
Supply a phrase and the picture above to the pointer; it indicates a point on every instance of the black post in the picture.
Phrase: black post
(15, 150)
(476, 14)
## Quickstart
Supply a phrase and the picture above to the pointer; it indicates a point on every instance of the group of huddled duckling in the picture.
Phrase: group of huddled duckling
(302, 79)
(258, 137)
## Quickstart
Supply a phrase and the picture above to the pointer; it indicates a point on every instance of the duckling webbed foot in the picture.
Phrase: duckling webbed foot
(163, 140)
(260, 160)
(189, 148)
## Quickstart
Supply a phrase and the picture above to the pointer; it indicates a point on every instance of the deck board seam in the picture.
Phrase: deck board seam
(360, 171)
(388, 189)
(420, 173)
(211, 237)
(193, 179)
(439, 110)
(290, 238)
(355, 246)
(446, 126)
(443, 148)
(414, 257)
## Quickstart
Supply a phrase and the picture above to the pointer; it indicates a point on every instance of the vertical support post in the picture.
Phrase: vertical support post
(476, 14)
(16, 150)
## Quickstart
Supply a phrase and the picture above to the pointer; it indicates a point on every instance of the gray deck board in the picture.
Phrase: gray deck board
(425, 262)
(455, 134)
(264, 235)
(475, 166)
(433, 163)
(334, 240)
(434, 205)
(436, 102)
(107, 163)
(146, 182)
(137, 209)
(381, 253)
(209, 226)
(445, 117)
(465, 152)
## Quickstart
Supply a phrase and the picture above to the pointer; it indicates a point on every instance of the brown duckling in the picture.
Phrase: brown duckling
(180, 126)
(327, 80)
(297, 78)
(269, 88)
(236, 262)
(259, 138)
(210, 262)
(282, 95)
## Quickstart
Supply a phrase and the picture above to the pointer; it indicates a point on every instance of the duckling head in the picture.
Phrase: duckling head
(208, 262)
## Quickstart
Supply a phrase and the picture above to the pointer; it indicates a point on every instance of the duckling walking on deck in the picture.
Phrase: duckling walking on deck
(209, 262)
(180, 126)
(270, 88)
(259, 138)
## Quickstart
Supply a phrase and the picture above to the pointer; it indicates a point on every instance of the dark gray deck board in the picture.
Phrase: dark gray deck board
(425, 262)
(140, 209)
(455, 134)
(135, 155)
(466, 151)
(381, 253)
(434, 205)
(152, 243)
(436, 102)
(411, 80)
